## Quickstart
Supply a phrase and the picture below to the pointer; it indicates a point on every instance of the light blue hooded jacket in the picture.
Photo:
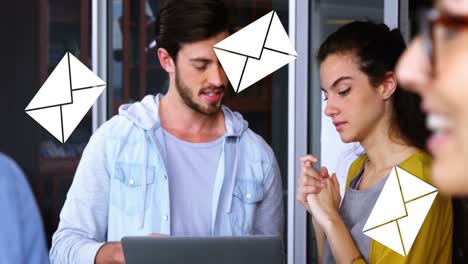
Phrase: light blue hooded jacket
(121, 187)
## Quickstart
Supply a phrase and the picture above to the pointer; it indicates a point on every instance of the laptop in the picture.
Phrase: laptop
(206, 250)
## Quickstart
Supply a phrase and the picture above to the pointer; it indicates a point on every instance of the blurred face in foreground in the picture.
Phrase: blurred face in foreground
(435, 66)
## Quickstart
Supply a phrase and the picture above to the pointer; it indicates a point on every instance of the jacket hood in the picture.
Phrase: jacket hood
(145, 115)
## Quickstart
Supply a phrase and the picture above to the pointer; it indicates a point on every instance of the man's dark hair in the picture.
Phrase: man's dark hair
(186, 21)
(377, 49)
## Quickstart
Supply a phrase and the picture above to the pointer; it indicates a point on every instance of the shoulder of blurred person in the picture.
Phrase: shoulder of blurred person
(22, 236)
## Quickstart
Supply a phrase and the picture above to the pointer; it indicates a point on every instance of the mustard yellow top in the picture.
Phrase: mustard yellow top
(433, 243)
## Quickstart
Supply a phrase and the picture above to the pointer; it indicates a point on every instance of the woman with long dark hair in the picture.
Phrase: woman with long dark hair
(366, 105)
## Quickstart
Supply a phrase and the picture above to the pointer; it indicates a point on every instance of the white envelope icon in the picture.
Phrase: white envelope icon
(400, 211)
(255, 51)
(65, 97)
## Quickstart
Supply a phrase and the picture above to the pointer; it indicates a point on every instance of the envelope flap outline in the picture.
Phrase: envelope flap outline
(417, 212)
(250, 40)
(235, 63)
(257, 69)
(56, 90)
(83, 100)
(390, 205)
(413, 187)
(388, 235)
(278, 39)
(81, 76)
(49, 118)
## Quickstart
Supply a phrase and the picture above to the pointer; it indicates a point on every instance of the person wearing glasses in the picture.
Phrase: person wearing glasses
(367, 106)
(436, 67)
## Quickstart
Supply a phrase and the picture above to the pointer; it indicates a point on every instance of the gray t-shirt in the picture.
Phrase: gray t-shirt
(355, 210)
(191, 169)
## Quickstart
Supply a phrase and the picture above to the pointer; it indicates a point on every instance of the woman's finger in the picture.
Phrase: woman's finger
(324, 172)
(310, 172)
(308, 158)
(336, 183)
(310, 189)
(309, 181)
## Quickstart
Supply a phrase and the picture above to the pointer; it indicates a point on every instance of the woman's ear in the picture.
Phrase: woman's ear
(388, 86)
(166, 60)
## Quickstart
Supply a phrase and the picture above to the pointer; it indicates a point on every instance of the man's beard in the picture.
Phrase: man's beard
(188, 97)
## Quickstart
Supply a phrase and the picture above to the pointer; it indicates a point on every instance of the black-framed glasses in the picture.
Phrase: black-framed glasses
(438, 28)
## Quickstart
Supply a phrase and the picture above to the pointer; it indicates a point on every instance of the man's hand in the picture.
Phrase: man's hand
(110, 253)
(157, 235)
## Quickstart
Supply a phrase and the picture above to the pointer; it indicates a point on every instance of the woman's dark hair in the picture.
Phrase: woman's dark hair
(378, 50)
(186, 21)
